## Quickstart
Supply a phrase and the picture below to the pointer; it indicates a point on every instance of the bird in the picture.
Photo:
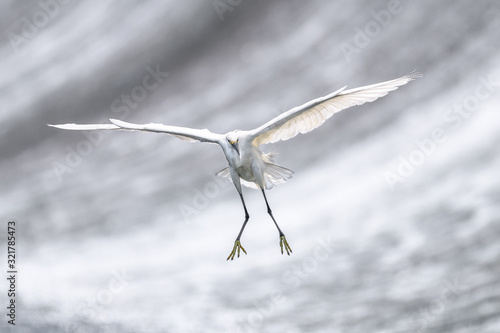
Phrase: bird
(247, 164)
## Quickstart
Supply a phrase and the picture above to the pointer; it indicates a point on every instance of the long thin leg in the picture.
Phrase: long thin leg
(282, 235)
(247, 216)
(237, 243)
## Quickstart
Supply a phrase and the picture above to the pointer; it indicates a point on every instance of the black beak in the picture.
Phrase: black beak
(235, 146)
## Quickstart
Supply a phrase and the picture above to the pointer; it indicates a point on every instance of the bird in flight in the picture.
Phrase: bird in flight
(248, 166)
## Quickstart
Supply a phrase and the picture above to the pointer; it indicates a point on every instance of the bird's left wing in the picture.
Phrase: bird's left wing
(183, 133)
(313, 114)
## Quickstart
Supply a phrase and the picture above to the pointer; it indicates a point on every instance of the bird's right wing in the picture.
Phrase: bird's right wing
(183, 133)
(313, 114)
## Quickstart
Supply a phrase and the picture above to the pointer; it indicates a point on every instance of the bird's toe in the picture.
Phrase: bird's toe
(236, 249)
(284, 243)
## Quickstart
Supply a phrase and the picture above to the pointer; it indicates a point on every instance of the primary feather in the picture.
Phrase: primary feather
(305, 118)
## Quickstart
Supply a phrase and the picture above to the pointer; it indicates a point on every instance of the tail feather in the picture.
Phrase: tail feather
(225, 173)
(274, 176)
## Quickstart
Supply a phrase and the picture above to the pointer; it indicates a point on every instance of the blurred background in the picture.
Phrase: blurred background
(392, 214)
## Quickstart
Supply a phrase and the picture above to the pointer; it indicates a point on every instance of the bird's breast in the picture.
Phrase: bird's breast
(245, 162)
(245, 173)
(243, 166)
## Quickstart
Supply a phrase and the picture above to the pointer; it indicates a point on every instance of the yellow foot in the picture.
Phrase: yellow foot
(287, 247)
(237, 247)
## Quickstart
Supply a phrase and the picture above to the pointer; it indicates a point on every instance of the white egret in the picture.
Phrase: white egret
(247, 164)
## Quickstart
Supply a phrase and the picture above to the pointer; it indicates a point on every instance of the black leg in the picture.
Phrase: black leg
(237, 244)
(247, 216)
(282, 235)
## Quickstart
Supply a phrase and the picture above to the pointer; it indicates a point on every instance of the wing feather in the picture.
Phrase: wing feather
(183, 133)
(86, 127)
(305, 118)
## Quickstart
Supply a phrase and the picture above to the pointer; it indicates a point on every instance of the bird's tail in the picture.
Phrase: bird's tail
(225, 173)
(274, 176)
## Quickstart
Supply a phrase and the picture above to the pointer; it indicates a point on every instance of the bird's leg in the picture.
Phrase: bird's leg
(283, 241)
(237, 244)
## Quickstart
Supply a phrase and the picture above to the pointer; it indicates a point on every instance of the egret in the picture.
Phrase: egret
(248, 166)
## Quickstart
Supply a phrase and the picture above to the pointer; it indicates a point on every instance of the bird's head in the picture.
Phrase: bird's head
(232, 139)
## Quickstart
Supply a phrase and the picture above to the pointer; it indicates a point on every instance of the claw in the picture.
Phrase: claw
(287, 247)
(237, 246)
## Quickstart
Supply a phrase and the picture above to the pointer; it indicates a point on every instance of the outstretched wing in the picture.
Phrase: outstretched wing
(305, 118)
(183, 133)
(85, 127)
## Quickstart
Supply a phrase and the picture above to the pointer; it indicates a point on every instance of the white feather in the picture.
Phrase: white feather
(305, 118)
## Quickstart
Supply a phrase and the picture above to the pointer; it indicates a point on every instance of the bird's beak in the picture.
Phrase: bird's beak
(235, 146)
